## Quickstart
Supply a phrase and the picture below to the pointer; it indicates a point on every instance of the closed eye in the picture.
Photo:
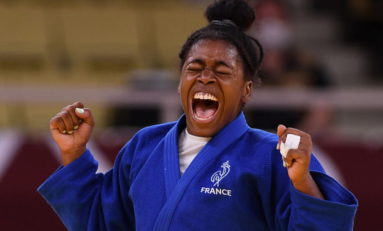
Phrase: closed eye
(194, 69)
(223, 70)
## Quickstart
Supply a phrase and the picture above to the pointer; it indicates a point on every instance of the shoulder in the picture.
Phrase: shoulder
(262, 137)
(158, 130)
(261, 147)
(151, 135)
(139, 147)
(257, 145)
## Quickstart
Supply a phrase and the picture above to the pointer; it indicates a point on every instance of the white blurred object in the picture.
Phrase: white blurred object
(292, 142)
(10, 142)
(274, 33)
(329, 165)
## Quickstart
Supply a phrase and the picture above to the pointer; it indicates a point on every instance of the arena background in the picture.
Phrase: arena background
(322, 73)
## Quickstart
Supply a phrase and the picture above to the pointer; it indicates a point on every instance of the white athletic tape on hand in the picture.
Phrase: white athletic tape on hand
(292, 142)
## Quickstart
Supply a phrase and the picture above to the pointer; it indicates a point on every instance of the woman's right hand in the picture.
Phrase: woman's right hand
(71, 129)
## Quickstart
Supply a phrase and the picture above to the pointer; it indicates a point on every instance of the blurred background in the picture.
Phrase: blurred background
(322, 73)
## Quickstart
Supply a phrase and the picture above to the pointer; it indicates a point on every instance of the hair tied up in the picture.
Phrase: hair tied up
(228, 21)
(224, 22)
(237, 11)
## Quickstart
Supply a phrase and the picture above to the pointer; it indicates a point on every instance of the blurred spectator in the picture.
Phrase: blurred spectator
(272, 27)
(319, 121)
(364, 25)
(284, 65)
(362, 22)
(294, 68)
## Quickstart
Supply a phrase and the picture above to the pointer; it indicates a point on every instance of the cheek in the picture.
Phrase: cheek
(233, 95)
(183, 88)
(181, 84)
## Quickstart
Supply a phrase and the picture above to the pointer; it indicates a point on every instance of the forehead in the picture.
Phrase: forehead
(217, 50)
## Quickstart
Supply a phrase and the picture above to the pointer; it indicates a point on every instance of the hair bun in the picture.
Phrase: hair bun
(237, 11)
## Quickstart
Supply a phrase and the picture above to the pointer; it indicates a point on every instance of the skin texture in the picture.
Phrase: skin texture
(215, 67)
(212, 66)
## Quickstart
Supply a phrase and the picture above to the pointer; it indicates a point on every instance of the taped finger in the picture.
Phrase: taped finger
(292, 142)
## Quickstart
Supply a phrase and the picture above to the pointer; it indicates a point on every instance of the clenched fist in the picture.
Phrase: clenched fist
(71, 129)
(297, 161)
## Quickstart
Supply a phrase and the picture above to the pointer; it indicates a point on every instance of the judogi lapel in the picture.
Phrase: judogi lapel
(175, 184)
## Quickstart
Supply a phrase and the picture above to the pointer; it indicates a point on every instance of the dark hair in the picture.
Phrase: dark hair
(228, 19)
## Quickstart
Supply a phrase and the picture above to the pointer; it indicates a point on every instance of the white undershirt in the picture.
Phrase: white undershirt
(188, 147)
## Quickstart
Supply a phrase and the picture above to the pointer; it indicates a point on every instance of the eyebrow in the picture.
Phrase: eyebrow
(219, 63)
(222, 63)
(198, 61)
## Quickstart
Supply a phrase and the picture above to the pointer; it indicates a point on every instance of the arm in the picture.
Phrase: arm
(83, 199)
(298, 161)
(304, 197)
(71, 130)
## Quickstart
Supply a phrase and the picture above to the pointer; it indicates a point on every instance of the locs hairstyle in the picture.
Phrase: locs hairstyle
(228, 21)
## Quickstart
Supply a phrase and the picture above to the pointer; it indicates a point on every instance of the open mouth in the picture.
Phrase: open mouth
(205, 106)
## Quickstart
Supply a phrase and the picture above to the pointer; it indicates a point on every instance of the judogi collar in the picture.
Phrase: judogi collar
(175, 184)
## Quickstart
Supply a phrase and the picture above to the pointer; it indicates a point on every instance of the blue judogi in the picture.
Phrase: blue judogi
(236, 182)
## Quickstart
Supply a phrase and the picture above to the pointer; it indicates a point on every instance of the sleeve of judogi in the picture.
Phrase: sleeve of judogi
(295, 210)
(86, 200)
(336, 212)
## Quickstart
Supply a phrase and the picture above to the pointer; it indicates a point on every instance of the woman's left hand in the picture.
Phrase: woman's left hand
(297, 161)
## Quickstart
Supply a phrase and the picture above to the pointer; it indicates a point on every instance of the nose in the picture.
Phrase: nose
(206, 77)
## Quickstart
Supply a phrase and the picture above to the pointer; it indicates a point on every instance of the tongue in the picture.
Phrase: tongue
(203, 111)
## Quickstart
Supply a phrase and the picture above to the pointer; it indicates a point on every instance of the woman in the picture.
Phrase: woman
(206, 171)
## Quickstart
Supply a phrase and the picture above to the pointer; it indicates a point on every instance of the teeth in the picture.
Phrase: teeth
(205, 96)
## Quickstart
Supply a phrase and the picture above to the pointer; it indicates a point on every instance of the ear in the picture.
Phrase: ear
(247, 91)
